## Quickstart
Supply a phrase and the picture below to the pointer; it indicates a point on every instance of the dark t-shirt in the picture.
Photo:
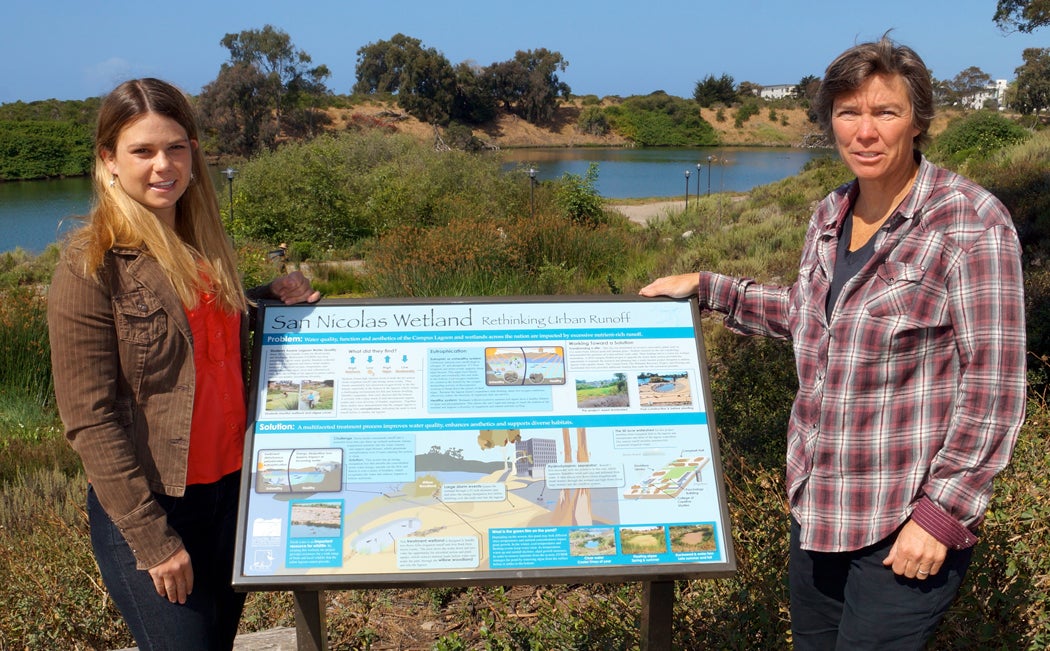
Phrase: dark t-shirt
(847, 263)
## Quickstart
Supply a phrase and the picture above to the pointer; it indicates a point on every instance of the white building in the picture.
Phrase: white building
(779, 91)
(995, 91)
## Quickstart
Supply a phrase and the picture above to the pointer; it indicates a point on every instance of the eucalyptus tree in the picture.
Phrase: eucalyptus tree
(1033, 82)
(234, 114)
(421, 78)
(968, 83)
(1022, 15)
(427, 86)
(288, 71)
(529, 84)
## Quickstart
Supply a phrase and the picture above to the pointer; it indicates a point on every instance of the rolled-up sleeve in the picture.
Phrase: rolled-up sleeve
(750, 308)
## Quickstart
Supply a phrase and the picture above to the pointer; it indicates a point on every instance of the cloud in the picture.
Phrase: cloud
(102, 77)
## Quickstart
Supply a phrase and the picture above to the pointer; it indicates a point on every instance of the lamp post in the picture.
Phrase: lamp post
(722, 182)
(698, 184)
(710, 159)
(687, 189)
(532, 191)
(228, 173)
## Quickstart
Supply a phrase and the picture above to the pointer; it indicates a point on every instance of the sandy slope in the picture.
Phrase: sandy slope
(511, 131)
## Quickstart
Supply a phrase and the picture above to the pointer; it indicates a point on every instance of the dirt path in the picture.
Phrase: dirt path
(642, 213)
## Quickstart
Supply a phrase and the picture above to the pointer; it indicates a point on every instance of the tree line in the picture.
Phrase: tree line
(269, 91)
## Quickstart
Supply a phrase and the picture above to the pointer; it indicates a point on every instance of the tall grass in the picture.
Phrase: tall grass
(26, 390)
(545, 254)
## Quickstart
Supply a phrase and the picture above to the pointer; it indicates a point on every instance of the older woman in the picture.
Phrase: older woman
(146, 314)
(907, 320)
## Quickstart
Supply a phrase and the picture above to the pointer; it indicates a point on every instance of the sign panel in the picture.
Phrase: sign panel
(480, 441)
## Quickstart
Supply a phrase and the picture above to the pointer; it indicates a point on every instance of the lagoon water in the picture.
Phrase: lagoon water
(33, 214)
(625, 173)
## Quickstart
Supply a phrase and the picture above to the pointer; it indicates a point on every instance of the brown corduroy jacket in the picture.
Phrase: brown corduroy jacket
(122, 358)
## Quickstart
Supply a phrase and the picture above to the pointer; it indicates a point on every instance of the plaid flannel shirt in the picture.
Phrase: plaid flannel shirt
(912, 394)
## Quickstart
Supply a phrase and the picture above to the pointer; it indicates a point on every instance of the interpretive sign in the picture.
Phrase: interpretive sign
(480, 441)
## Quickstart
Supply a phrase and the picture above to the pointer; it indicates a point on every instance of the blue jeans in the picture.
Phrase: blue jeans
(206, 518)
(849, 600)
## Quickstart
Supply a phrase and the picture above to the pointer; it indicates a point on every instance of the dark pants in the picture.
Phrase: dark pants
(206, 518)
(850, 600)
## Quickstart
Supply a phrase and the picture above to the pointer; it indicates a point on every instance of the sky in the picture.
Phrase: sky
(71, 49)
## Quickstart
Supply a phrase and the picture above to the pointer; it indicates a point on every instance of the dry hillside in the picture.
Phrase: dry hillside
(782, 128)
(788, 129)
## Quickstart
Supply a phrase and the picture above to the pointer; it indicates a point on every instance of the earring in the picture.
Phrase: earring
(112, 180)
(193, 177)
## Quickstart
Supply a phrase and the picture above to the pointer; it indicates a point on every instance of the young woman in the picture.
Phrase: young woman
(147, 317)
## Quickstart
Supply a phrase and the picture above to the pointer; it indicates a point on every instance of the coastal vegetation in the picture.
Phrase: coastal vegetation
(371, 202)
(427, 223)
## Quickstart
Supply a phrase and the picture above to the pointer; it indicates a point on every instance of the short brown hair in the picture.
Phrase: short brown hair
(851, 68)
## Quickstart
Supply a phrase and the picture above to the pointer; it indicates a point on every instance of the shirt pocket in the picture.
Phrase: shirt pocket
(140, 317)
(910, 293)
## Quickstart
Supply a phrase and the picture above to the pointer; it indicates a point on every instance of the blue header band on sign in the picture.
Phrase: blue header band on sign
(453, 336)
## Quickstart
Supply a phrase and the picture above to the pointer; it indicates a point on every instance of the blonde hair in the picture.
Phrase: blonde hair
(196, 255)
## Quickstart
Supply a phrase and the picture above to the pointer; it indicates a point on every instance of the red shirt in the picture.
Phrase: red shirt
(219, 414)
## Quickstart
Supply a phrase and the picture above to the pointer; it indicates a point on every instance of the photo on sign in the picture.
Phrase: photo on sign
(656, 390)
(643, 540)
(316, 519)
(602, 392)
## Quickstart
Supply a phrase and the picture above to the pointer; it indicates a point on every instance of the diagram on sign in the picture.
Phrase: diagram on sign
(299, 471)
(524, 366)
(669, 481)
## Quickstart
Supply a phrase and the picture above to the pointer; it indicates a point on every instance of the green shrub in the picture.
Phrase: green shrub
(461, 136)
(660, 120)
(592, 121)
(52, 595)
(336, 190)
(577, 197)
(1019, 177)
(25, 374)
(336, 279)
(828, 172)
(744, 112)
(974, 137)
(43, 149)
(83, 112)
